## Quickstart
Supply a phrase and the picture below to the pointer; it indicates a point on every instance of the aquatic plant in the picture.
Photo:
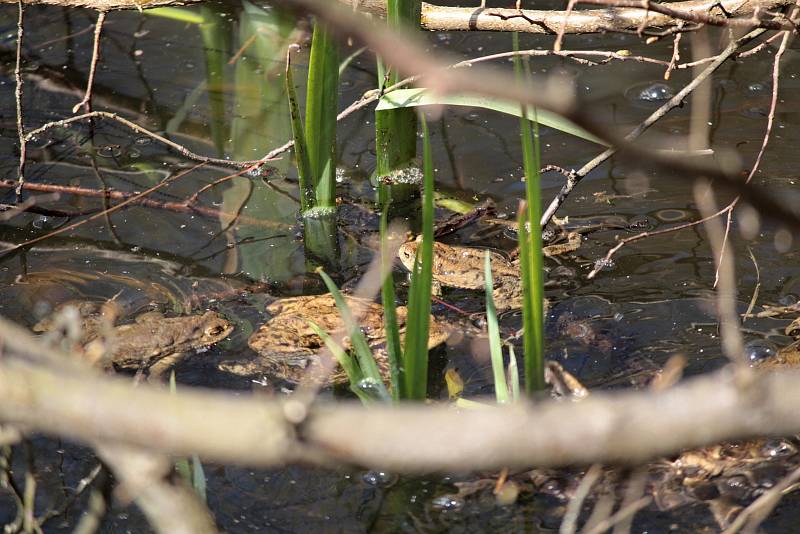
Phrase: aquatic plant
(396, 129)
(495, 343)
(530, 245)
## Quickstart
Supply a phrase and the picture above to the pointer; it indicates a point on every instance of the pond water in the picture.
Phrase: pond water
(657, 299)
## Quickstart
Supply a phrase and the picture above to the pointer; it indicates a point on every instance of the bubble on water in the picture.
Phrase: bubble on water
(758, 350)
(447, 503)
(656, 92)
(407, 175)
(141, 141)
(379, 479)
(756, 88)
(778, 448)
(109, 151)
(46, 222)
(641, 222)
(604, 265)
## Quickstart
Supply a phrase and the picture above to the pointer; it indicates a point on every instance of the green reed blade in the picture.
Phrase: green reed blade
(360, 346)
(396, 130)
(391, 327)
(351, 368)
(530, 239)
(322, 102)
(215, 31)
(513, 374)
(415, 354)
(199, 479)
(304, 174)
(495, 344)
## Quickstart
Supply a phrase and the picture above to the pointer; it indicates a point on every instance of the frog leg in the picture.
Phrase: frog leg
(157, 370)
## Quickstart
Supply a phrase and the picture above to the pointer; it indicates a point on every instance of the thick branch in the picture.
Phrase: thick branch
(43, 392)
(440, 18)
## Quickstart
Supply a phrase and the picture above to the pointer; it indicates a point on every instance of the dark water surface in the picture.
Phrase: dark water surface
(656, 301)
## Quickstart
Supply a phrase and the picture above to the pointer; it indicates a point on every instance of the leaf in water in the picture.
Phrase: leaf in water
(402, 98)
(455, 384)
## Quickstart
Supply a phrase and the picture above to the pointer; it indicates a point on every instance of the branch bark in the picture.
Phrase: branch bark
(44, 391)
(441, 18)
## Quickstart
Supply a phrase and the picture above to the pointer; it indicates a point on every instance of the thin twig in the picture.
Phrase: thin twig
(773, 105)
(102, 213)
(621, 515)
(569, 524)
(181, 207)
(98, 28)
(759, 509)
(730, 333)
(599, 265)
(672, 103)
(18, 100)
(136, 128)
(676, 55)
(563, 27)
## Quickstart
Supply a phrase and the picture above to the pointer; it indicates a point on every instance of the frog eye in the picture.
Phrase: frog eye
(215, 330)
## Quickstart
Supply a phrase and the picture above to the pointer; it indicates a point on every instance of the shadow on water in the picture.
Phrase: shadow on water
(218, 90)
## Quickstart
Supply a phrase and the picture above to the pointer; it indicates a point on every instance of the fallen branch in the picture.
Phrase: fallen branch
(43, 391)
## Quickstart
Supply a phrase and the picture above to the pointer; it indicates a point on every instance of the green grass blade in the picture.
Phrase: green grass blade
(391, 326)
(531, 258)
(403, 98)
(304, 174)
(178, 14)
(350, 367)
(513, 374)
(495, 344)
(396, 129)
(363, 353)
(199, 479)
(192, 472)
(415, 354)
(215, 31)
(322, 101)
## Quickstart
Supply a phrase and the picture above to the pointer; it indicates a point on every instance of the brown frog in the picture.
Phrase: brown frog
(287, 344)
(153, 342)
(463, 267)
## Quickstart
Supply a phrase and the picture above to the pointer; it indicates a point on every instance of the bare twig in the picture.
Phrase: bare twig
(672, 103)
(759, 509)
(773, 105)
(183, 207)
(122, 204)
(730, 333)
(569, 524)
(621, 515)
(18, 100)
(98, 28)
(136, 128)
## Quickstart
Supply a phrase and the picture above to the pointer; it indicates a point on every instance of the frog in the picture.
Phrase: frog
(287, 344)
(463, 267)
(152, 343)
